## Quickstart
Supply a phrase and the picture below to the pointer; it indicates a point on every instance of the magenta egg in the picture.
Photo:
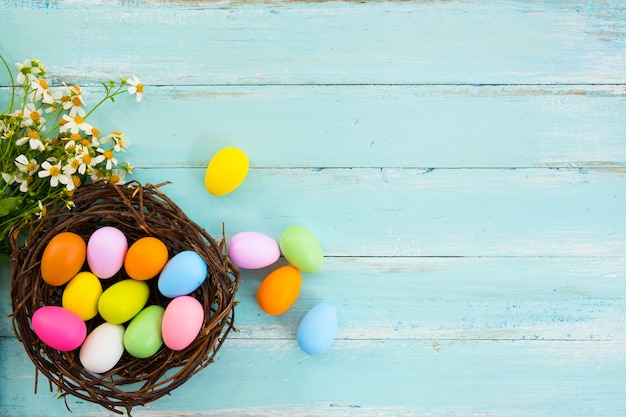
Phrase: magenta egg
(59, 328)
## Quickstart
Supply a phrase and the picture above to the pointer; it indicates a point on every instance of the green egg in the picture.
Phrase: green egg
(301, 249)
(143, 338)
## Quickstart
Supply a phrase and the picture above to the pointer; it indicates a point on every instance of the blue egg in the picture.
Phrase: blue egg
(182, 274)
(317, 329)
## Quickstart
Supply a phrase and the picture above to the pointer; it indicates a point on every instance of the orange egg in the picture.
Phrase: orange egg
(279, 290)
(63, 258)
(145, 258)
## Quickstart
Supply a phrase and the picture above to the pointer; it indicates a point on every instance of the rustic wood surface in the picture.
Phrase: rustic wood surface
(462, 163)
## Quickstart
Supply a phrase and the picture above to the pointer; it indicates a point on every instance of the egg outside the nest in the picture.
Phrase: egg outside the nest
(279, 290)
(226, 171)
(317, 329)
(302, 249)
(253, 250)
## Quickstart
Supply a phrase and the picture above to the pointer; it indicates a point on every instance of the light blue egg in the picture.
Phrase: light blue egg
(182, 274)
(317, 329)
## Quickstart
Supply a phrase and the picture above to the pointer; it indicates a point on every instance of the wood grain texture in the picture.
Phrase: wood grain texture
(462, 163)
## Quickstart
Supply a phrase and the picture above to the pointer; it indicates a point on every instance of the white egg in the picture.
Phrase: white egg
(102, 348)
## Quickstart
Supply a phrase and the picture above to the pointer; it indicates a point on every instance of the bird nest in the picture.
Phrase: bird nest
(138, 211)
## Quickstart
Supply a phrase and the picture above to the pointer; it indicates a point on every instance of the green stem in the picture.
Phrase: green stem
(12, 82)
(108, 96)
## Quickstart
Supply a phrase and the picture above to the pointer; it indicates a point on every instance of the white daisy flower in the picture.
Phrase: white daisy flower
(75, 124)
(56, 175)
(120, 143)
(25, 165)
(109, 156)
(136, 87)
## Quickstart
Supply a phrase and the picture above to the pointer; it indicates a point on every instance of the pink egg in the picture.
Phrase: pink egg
(59, 328)
(106, 250)
(182, 322)
(253, 250)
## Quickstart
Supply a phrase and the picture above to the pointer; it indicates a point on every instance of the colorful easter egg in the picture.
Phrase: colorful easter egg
(145, 258)
(63, 258)
(182, 274)
(301, 249)
(81, 295)
(182, 322)
(123, 300)
(253, 250)
(279, 290)
(226, 171)
(106, 250)
(317, 329)
(59, 328)
(143, 337)
(103, 348)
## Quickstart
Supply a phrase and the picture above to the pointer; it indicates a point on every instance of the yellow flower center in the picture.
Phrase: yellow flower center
(76, 181)
(33, 134)
(75, 163)
(78, 120)
(115, 179)
(85, 142)
(116, 133)
(55, 171)
(31, 166)
(35, 116)
(139, 88)
(76, 101)
(107, 154)
(86, 159)
(65, 98)
(43, 84)
(95, 132)
(75, 137)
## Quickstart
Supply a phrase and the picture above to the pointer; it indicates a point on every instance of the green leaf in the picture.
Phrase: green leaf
(7, 205)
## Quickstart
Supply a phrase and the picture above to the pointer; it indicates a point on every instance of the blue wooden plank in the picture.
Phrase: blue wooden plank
(413, 212)
(377, 126)
(375, 377)
(468, 42)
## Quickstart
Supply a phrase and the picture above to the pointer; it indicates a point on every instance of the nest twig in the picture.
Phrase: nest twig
(138, 211)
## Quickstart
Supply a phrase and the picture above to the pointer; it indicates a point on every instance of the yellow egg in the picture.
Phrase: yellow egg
(226, 171)
(123, 300)
(81, 295)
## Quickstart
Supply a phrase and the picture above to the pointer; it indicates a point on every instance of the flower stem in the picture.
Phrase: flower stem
(12, 81)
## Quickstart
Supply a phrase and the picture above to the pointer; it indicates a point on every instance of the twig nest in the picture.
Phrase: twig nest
(139, 212)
